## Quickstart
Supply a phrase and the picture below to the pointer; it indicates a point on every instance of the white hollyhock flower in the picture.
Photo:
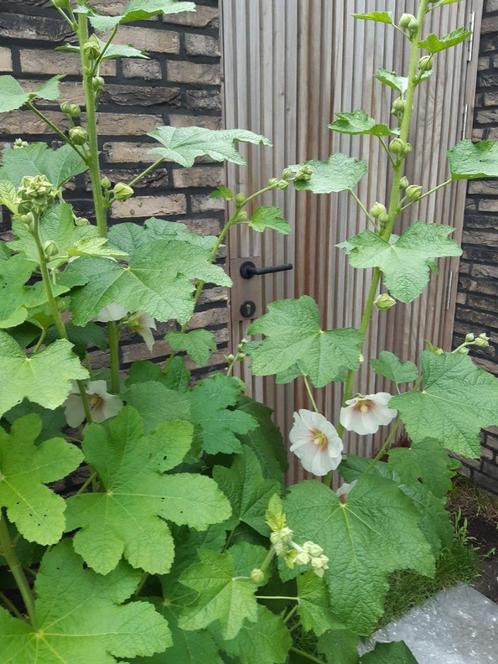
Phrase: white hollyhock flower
(111, 312)
(102, 404)
(143, 324)
(366, 413)
(315, 442)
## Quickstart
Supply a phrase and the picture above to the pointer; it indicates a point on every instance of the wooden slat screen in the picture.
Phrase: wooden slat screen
(289, 66)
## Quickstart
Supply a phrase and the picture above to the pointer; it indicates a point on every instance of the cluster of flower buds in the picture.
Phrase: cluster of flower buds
(379, 211)
(398, 107)
(284, 545)
(70, 110)
(399, 148)
(78, 135)
(19, 144)
(231, 359)
(36, 194)
(481, 341)
(91, 48)
(409, 22)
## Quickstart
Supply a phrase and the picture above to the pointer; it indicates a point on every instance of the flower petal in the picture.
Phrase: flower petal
(74, 411)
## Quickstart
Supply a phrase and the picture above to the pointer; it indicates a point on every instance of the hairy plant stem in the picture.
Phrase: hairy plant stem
(395, 196)
(9, 553)
(145, 172)
(306, 655)
(56, 314)
(310, 393)
(88, 71)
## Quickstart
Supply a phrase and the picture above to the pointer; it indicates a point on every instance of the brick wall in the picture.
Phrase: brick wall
(477, 308)
(179, 85)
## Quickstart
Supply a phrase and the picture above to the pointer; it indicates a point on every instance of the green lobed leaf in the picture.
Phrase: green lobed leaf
(32, 377)
(339, 646)
(8, 196)
(112, 52)
(198, 344)
(128, 517)
(379, 17)
(13, 95)
(314, 604)
(129, 237)
(338, 173)
(389, 653)
(213, 403)
(359, 122)
(434, 43)
(183, 145)
(391, 367)
(405, 260)
(81, 618)
(140, 10)
(58, 165)
(15, 272)
(156, 403)
(393, 80)
(457, 400)
(424, 460)
(266, 641)
(221, 595)
(247, 491)
(293, 335)
(469, 161)
(265, 217)
(174, 376)
(25, 468)
(367, 537)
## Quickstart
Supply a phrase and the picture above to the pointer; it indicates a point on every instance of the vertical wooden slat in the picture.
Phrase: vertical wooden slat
(289, 67)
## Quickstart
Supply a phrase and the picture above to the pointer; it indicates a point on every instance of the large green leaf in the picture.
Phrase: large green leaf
(314, 604)
(339, 646)
(405, 260)
(32, 377)
(367, 537)
(391, 367)
(434, 44)
(14, 273)
(80, 617)
(183, 145)
(8, 196)
(159, 279)
(222, 595)
(140, 10)
(13, 95)
(389, 653)
(214, 401)
(379, 17)
(470, 160)
(338, 173)
(360, 122)
(267, 641)
(457, 400)
(424, 460)
(265, 217)
(156, 403)
(127, 518)
(294, 336)
(58, 165)
(247, 491)
(198, 344)
(393, 80)
(25, 468)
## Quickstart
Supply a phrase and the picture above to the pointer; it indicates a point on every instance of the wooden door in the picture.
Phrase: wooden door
(289, 67)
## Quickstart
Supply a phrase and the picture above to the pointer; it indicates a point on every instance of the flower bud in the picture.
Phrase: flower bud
(302, 558)
(384, 301)
(28, 219)
(240, 199)
(257, 575)
(50, 249)
(414, 192)
(98, 83)
(405, 20)
(36, 194)
(413, 25)
(282, 185)
(81, 221)
(377, 209)
(398, 107)
(469, 338)
(384, 218)
(19, 143)
(463, 351)
(425, 63)
(404, 182)
(482, 341)
(78, 135)
(272, 182)
(122, 191)
(72, 110)
(397, 146)
(408, 148)
(105, 183)
(92, 48)
(288, 174)
(243, 217)
(230, 357)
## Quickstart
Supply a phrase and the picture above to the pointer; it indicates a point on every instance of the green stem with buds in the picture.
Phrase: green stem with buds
(55, 129)
(428, 193)
(395, 196)
(9, 553)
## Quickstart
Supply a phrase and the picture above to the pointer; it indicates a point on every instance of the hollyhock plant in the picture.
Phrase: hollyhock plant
(315, 441)
(102, 404)
(366, 413)
(142, 324)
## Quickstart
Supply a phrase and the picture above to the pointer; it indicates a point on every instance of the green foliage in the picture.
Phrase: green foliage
(131, 468)
(457, 400)
(389, 653)
(266, 641)
(434, 44)
(393, 80)
(391, 367)
(294, 336)
(265, 217)
(33, 377)
(338, 173)
(379, 17)
(198, 344)
(13, 95)
(314, 604)
(185, 144)
(339, 646)
(58, 165)
(406, 261)
(470, 160)
(25, 468)
(139, 10)
(360, 122)
(81, 616)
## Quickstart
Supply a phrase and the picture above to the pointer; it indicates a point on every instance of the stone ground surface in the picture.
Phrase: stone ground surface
(457, 626)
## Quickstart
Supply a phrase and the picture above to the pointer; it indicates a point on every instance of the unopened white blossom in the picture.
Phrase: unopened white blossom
(143, 324)
(315, 441)
(366, 413)
(111, 312)
(345, 489)
(281, 539)
(102, 404)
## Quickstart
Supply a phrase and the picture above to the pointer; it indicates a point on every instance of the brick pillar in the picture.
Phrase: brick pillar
(179, 85)
(477, 308)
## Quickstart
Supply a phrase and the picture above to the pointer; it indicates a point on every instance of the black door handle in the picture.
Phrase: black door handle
(248, 269)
